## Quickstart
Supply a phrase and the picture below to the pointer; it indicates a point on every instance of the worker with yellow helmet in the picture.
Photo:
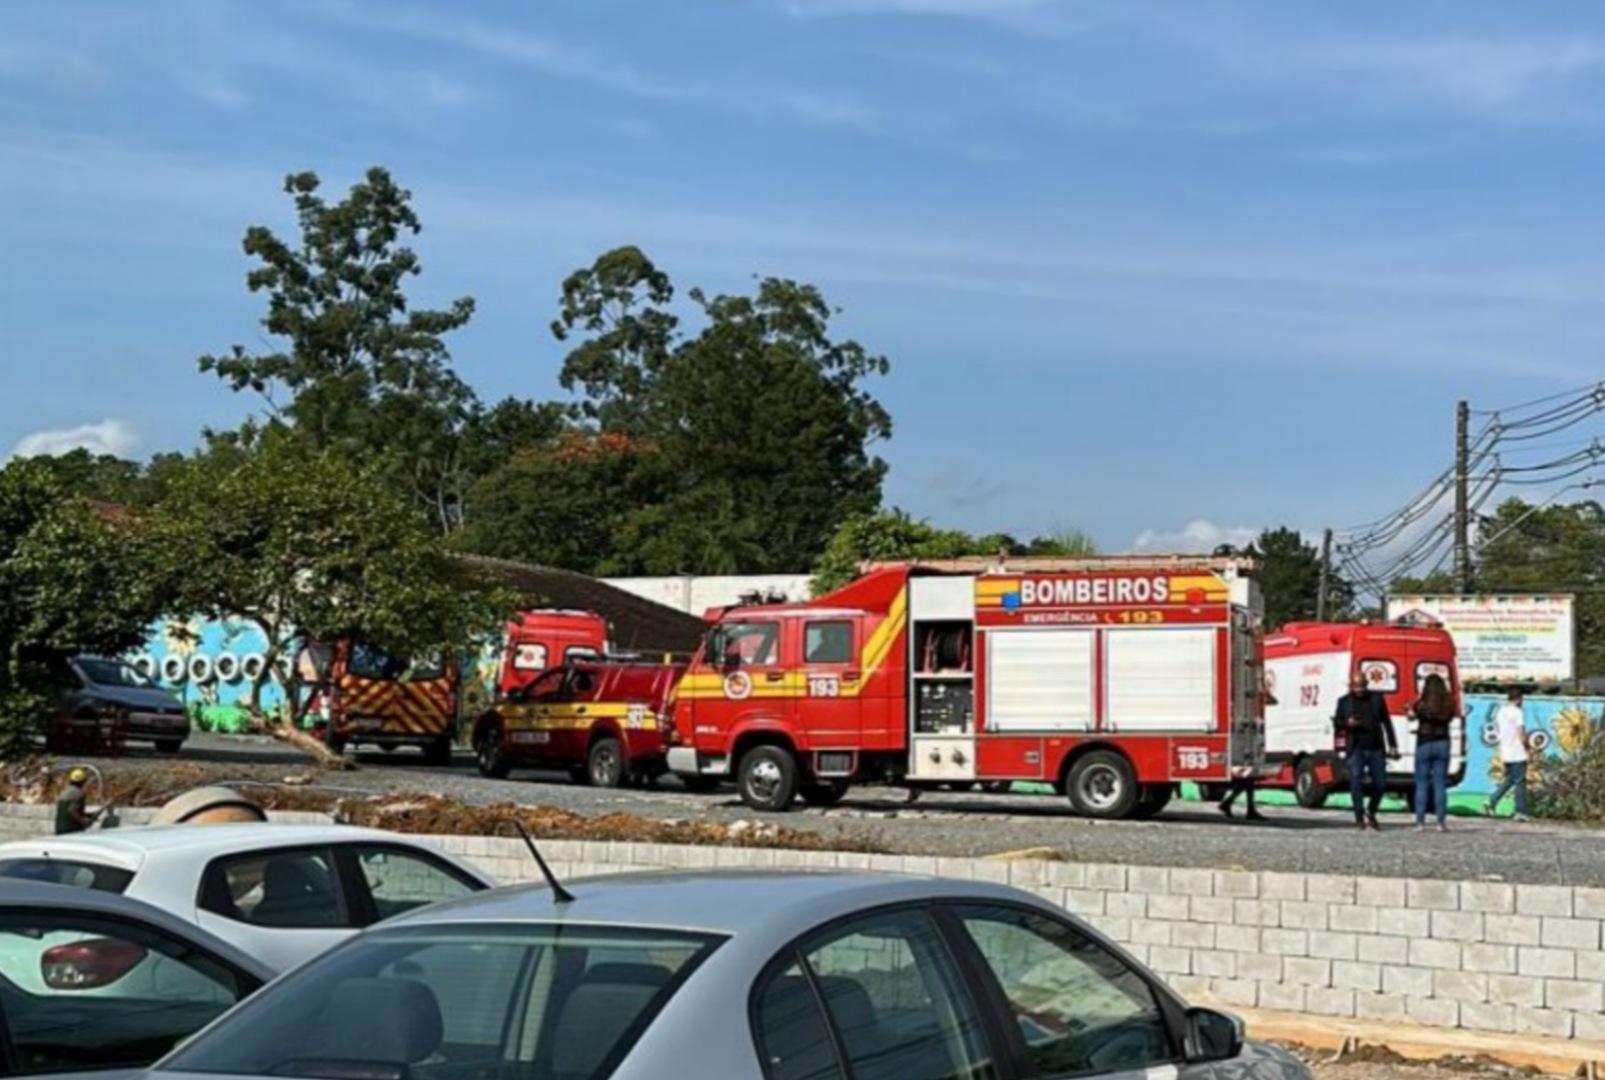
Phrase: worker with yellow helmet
(72, 805)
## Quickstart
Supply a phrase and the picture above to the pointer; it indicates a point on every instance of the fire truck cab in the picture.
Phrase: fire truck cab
(1307, 668)
(1112, 679)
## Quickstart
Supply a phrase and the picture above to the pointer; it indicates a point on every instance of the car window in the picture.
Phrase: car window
(894, 998)
(523, 1002)
(793, 1040)
(112, 673)
(297, 888)
(828, 642)
(1079, 1007)
(80, 993)
(734, 644)
(400, 880)
(82, 875)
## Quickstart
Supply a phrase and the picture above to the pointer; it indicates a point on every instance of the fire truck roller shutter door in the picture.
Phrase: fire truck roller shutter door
(1160, 680)
(1039, 680)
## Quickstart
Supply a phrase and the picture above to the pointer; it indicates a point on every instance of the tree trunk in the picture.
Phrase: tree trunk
(307, 743)
(285, 727)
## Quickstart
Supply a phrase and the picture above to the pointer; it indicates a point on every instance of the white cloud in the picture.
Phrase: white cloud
(1198, 536)
(114, 437)
(214, 90)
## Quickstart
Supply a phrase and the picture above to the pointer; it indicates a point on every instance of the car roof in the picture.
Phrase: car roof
(130, 847)
(773, 904)
(33, 896)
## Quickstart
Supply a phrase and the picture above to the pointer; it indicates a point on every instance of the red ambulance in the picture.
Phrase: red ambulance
(1112, 679)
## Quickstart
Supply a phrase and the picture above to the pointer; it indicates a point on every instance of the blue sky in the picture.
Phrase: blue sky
(1168, 271)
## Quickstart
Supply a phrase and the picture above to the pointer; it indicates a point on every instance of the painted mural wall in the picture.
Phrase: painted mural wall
(209, 664)
(1557, 727)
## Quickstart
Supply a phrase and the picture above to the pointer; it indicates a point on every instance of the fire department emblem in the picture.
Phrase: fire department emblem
(738, 686)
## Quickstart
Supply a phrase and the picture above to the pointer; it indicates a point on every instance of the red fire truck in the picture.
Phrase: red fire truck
(1307, 668)
(1112, 679)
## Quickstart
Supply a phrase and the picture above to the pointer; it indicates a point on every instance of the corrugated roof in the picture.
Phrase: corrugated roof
(636, 623)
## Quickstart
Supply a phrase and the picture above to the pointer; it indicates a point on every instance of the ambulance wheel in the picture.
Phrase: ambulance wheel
(823, 792)
(1103, 785)
(490, 757)
(767, 778)
(605, 766)
(1307, 787)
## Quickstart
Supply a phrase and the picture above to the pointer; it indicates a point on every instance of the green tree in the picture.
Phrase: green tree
(891, 535)
(1066, 541)
(307, 544)
(358, 366)
(759, 417)
(1290, 578)
(74, 577)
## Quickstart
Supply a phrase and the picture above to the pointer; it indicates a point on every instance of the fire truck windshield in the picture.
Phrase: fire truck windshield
(735, 644)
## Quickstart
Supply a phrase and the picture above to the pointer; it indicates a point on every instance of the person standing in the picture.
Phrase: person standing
(72, 805)
(1369, 741)
(1242, 785)
(1512, 727)
(1434, 714)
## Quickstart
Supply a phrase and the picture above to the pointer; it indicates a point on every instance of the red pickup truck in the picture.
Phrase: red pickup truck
(603, 721)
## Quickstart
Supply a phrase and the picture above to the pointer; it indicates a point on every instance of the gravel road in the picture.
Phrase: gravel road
(943, 823)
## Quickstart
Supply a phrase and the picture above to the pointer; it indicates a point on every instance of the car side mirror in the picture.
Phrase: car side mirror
(1212, 1036)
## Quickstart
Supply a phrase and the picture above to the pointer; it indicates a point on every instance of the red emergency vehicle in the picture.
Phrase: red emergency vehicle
(1307, 668)
(370, 696)
(1112, 679)
(603, 721)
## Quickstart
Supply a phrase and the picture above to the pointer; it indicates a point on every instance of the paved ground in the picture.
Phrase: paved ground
(1187, 834)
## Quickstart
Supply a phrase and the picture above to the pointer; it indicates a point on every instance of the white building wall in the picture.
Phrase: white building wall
(695, 595)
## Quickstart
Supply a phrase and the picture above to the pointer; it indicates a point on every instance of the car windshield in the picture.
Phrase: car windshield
(519, 1002)
(81, 875)
(112, 673)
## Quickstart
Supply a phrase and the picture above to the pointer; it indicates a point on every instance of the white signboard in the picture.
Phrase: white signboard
(1500, 638)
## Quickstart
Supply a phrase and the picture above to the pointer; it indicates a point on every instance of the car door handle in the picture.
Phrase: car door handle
(578, 709)
(773, 676)
(849, 676)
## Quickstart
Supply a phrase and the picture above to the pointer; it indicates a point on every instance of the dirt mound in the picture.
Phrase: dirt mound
(435, 815)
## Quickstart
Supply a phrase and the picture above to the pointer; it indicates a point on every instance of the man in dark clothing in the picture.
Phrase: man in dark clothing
(72, 809)
(1367, 729)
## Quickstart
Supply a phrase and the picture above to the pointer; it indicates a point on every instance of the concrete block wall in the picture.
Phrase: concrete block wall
(1487, 956)
(1521, 959)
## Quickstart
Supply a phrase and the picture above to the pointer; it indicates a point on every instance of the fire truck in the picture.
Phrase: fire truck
(1112, 679)
(1307, 668)
(370, 696)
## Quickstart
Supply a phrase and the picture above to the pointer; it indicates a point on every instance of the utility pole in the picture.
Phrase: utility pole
(1462, 501)
(1326, 576)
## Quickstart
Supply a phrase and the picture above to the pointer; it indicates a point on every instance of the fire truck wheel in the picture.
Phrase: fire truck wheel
(492, 761)
(605, 765)
(1102, 785)
(1307, 786)
(823, 792)
(767, 778)
(1155, 797)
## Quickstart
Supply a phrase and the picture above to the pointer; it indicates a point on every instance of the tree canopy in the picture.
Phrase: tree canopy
(1289, 576)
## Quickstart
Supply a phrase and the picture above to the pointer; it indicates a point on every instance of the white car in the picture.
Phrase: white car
(281, 893)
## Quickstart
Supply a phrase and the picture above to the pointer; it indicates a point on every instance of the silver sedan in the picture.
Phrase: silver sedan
(729, 975)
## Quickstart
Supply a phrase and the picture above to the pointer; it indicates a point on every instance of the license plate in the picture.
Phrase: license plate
(532, 736)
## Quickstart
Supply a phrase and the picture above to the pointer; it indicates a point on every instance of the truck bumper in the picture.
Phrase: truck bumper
(685, 761)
